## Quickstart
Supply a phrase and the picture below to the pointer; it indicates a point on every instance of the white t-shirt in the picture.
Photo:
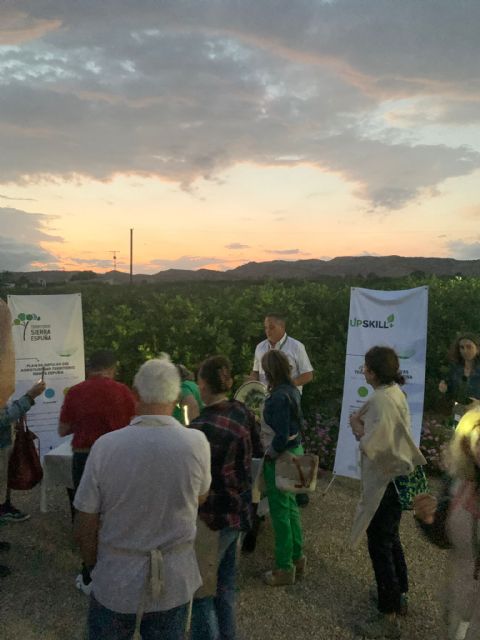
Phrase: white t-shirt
(293, 349)
(144, 481)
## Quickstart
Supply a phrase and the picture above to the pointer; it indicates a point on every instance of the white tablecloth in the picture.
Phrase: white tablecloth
(57, 470)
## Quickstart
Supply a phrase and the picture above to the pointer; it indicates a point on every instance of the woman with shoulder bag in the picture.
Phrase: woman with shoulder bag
(282, 413)
(382, 427)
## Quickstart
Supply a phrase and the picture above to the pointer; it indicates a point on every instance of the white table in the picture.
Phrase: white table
(57, 470)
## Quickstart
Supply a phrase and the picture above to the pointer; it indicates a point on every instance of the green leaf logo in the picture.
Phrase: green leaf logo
(391, 319)
(24, 319)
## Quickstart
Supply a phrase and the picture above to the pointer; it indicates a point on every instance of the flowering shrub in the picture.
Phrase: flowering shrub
(436, 434)
(320, 434)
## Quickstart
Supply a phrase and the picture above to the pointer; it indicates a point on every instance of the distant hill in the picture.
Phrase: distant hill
(384, 266)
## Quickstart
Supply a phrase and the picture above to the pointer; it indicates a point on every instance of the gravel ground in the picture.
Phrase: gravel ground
(39, 600)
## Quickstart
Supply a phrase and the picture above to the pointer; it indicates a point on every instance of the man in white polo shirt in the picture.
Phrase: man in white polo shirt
(136, 523)
(302, 370)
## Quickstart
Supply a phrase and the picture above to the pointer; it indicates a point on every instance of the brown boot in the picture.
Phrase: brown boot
(300, 566)
(279, 577)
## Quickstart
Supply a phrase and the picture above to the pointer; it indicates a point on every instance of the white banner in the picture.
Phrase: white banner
(396, 319)
(48, 337)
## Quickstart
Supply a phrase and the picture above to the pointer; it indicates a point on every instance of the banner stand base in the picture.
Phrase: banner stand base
(324, 493)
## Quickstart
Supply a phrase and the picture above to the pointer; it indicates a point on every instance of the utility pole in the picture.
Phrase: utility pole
(131, 256)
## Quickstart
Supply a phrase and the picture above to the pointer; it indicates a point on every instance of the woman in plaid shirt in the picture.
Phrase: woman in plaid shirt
(233, 434)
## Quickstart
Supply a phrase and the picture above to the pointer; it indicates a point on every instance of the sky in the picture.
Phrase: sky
(230, 131)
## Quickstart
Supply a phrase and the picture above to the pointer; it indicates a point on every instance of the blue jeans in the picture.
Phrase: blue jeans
(104, 624)
(213, 618)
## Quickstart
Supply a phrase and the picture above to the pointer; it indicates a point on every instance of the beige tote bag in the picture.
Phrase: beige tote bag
(297, 474)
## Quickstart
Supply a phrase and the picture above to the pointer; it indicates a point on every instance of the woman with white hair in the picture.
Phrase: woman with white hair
(452, 522)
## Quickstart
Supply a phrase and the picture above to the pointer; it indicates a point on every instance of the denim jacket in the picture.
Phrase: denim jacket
(282, 412)
(9, 414)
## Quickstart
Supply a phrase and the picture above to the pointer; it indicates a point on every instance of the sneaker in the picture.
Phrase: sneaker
(279, 577)
(8, 513)
(382, 625)
(4, 571)
(403, 601)
(81, 586)
(4, 546)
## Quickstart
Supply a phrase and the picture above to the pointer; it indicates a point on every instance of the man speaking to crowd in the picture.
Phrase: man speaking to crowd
(301, 368)
(275, 330)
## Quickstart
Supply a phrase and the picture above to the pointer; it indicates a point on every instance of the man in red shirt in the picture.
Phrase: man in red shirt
(92, 408)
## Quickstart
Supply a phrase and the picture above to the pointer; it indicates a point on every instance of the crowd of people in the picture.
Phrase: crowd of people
(163, 482)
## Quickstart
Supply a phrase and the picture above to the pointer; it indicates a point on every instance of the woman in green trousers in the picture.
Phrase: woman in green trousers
(282, 413)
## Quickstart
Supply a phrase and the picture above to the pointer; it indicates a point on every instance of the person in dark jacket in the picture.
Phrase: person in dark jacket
(462, 383)
(283, 415)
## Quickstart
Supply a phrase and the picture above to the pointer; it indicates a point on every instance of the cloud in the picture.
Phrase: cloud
(186, 262)
(24, 226)
(183, 91)
(237, 245)
(21, 235)
(90, 263)
(23, 256)
(285, 252)
(464, 250)
(17, 27)
(4, 197)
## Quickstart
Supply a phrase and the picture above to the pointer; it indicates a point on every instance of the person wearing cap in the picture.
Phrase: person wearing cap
(92, 408)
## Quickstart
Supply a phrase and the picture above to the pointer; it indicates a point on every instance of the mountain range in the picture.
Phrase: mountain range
(348, 266)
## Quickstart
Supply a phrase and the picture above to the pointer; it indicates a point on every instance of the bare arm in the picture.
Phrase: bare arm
(254, 375)
(425, 507)
(64, 429)
(193, 409)
(303, 378)
(357, 425)
(85, 532)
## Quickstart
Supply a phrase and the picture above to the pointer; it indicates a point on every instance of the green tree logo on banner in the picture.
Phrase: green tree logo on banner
(23, 320)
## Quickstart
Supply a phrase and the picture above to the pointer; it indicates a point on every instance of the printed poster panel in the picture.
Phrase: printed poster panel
(48, 336)
(396, 319)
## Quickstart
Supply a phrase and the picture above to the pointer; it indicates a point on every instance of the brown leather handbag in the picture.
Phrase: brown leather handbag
(24, 467)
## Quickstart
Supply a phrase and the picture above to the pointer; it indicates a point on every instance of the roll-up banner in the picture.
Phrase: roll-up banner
(396, 319)
(48, 338)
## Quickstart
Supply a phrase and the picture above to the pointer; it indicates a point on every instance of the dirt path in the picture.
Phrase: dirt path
(39, 600)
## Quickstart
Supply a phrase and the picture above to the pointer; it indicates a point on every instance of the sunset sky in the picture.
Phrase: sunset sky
(226, 131)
